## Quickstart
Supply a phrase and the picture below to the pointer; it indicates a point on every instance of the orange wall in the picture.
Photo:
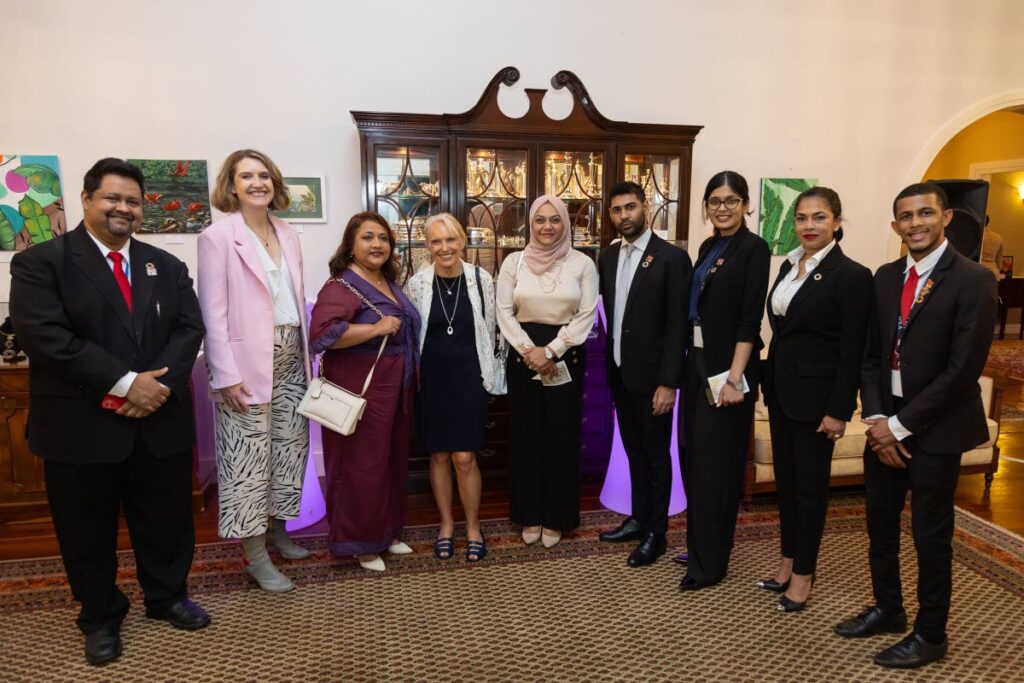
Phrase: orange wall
(995, 137)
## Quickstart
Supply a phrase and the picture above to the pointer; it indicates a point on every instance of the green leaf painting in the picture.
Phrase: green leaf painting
(6, 233)
(36, 222)
(40, 178)
(778, 198)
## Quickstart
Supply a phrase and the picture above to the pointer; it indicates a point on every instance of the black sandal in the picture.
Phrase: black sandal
(477, 549)
(444, 548)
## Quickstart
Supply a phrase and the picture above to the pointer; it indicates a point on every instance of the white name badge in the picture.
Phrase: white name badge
(698, 338)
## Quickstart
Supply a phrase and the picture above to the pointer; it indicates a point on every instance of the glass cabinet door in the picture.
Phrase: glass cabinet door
(496, 184)
(577, 178)
(658, 174)
(408, 189)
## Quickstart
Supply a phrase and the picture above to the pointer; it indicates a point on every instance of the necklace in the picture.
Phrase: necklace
(261, 238)
(458, 288)
(551, 285)
(365, 274)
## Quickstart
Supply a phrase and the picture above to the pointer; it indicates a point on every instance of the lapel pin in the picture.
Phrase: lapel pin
(150, 270)
(817, 276)
(647, 261)
(713, 269)
(720, 262)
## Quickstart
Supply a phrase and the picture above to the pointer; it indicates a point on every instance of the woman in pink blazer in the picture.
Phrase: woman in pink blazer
(251, 294)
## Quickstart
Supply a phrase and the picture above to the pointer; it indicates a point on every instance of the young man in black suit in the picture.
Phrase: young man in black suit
(112, 327)
(927, 344)
(644, 289)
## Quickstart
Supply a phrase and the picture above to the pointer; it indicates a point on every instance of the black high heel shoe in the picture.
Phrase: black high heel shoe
(789, 605)
(773, 585)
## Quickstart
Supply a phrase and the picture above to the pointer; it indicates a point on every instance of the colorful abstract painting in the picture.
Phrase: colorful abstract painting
(778, 196)
(31, 204)
(308, 204)
(177, 196)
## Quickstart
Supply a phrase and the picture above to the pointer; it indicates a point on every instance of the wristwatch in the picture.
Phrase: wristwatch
(738, 386)
(549, 354)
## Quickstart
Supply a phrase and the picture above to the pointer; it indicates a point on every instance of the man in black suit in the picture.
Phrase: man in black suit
(112, 327)
(643, 286)
(927, 344)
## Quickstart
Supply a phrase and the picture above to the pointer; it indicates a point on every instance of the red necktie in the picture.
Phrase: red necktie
(906, 303)
(122, 279)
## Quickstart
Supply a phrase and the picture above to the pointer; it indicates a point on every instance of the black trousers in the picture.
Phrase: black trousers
(713, 463)
(545, 440)
(802, 460)
(932, 479)
(647, 439)
(85, 501)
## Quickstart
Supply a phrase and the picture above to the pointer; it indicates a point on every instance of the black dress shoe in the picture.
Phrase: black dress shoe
(102, 647)
(649, 550)
(629, 530)
(691, 584)
(870, 622)
(773, 585)
(184, 614)
(911, 652)
(788, 605)
(682, 558)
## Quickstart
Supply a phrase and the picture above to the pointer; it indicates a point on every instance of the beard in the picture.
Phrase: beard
(628, 228)
(119, 229)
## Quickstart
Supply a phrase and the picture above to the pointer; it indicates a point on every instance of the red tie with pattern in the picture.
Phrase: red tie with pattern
(126, 287)
(111, 402)
(906, 303)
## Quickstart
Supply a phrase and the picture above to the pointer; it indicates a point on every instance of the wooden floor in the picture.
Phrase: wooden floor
(1003, 504)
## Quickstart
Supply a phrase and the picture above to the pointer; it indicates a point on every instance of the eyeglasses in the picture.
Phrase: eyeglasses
(730, 202)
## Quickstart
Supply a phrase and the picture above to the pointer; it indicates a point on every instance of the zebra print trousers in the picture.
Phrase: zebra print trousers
(261, 455)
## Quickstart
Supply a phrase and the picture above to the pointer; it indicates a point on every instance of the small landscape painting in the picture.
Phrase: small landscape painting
(31, 203)
(778, 196)
(177, 195)
(308, 204)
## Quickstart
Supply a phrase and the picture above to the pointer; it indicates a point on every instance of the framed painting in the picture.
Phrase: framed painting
(31, 203)
(778, 203)
(1006, 267)
(308, 200)
(177, 195)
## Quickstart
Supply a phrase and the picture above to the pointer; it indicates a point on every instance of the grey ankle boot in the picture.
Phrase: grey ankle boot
(258, 564)
(279, 538)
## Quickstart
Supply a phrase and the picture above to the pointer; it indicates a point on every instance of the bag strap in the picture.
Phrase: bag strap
(383, 342)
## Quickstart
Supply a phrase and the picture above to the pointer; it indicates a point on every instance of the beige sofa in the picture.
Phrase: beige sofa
(848, 458)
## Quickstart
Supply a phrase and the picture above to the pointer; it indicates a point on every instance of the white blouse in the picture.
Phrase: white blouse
(565, 295)
(792, 283)
(279, 282)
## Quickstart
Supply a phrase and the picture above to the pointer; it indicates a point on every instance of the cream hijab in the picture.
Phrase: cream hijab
(539, 259)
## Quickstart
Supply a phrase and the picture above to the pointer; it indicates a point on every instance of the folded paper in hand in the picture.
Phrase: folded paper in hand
(716, 382)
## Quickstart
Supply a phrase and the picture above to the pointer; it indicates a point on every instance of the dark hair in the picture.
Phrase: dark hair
(830, 197)
(918, 189)
(627, 187)
(111, 166)
(343, 256)
(732, 180)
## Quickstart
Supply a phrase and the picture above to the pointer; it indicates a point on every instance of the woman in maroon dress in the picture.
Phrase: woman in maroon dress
(366, 471)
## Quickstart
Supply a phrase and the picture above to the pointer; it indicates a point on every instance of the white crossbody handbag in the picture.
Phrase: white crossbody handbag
(334, 407)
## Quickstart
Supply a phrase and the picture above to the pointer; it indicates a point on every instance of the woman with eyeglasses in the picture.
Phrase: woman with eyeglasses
(727, 295)
(818, 312)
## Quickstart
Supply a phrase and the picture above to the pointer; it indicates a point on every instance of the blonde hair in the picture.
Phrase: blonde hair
(452, 226)
(224, 198)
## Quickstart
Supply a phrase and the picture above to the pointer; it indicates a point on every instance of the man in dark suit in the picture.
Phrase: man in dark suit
(927, 344)
(112, 327)
(644, 289)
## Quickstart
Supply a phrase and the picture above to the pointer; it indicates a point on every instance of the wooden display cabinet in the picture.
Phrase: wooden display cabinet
(487, 168)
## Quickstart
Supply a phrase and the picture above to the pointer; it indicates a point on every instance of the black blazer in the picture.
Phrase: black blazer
(731, 302)
(815, 356)
(654, 323)
(73, 323)
(944, 349)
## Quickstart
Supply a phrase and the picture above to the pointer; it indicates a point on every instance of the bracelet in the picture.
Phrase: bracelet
(738, 386)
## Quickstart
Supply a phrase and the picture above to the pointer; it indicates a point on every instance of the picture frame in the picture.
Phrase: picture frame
(1006, 266)
(308, 200)
(778, 204)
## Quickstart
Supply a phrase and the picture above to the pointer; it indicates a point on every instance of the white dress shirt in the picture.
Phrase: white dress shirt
(279, 282)
(792, 283)
(124, 384)
(629, 261)
(924, 268)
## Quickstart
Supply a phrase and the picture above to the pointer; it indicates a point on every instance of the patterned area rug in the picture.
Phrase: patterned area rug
(1007, 355)
(573, 613)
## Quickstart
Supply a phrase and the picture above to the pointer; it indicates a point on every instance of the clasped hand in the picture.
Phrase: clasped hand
(145, 395)
(538, 362)
(885, 444)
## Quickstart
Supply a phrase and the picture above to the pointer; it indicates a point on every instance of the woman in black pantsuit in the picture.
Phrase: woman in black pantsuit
(818, 311)
(730, 280)
(547, 298)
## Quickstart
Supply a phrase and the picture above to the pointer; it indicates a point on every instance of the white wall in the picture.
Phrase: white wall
(854, 93)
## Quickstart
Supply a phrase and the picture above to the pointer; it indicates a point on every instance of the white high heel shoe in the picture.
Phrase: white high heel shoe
(550, 538)
(531, 537)
(374, 565)
(399, 548)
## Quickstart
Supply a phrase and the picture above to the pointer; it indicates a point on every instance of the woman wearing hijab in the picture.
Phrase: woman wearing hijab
(547, 298)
